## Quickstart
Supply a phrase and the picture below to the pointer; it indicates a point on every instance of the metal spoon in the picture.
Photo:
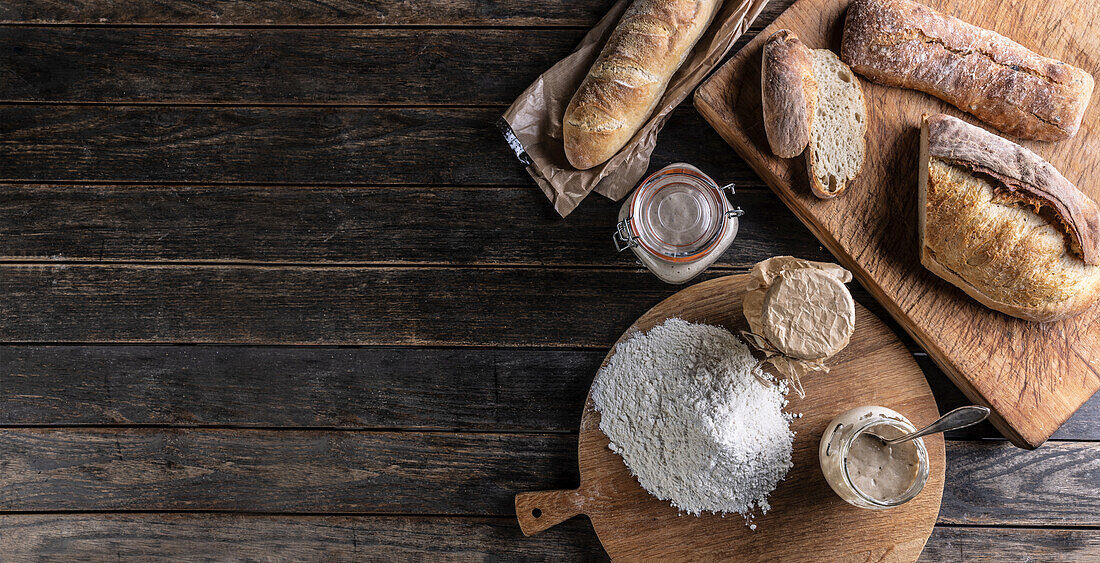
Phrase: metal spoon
(958, 418)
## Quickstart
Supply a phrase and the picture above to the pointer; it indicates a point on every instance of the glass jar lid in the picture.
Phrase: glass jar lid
(678, 214)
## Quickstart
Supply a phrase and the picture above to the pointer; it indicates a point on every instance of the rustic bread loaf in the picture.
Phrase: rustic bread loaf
(1004, 225)
(626, 82)
(788, 93)
(839, 128)
(902, 43)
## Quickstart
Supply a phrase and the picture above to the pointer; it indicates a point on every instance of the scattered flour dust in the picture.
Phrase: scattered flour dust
(695, 418)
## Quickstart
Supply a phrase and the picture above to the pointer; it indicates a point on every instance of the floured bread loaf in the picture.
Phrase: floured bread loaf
(625, 84)
(906, 44)
(837, 134)
(1004, 225)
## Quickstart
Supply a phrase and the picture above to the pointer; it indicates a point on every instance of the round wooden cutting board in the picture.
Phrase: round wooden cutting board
(807, 519)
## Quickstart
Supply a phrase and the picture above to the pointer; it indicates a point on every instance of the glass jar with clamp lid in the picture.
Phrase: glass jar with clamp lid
(678, 222)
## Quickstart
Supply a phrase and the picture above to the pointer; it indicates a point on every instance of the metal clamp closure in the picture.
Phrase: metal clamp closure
(736, 211)
(623, 238)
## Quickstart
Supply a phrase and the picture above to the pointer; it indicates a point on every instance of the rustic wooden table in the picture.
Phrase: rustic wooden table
(273, 286)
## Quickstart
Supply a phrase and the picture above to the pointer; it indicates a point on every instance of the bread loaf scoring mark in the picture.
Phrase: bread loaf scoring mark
(1024, 175)
(897, 40)
(1006, 251)
(631, 76)
(1008, 196)
(1054, 71)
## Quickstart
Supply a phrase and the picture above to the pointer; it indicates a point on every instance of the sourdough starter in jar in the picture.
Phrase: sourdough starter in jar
(882, 471)
(677, 222)
(866, 472)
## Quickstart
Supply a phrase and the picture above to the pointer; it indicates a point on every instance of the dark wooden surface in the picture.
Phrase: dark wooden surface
(271, 286)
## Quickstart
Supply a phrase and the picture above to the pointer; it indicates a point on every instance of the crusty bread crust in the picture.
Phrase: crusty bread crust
(1024, 175)
(987, 237)
(788, 93)
(624, 85)
(1072, 307)
(906, 44)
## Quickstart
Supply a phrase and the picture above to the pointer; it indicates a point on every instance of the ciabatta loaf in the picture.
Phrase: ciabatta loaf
(788, 93)
(626, 82)
(838, 132)
(1002, 224)
(906, 44)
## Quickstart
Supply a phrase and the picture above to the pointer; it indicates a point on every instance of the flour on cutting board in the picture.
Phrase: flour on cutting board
(695, 418)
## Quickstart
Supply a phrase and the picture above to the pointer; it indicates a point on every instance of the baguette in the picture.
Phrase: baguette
(788, 93)
(1004, 225)
(905, 44)
(624, 85)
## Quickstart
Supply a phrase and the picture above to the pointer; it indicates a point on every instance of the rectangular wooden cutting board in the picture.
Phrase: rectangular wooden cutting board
(1033, 376)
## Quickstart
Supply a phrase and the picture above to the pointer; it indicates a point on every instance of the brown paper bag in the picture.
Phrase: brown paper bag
(532, 125)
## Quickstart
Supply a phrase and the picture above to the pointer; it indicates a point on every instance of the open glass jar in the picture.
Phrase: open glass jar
(864, 471)
(678, 222)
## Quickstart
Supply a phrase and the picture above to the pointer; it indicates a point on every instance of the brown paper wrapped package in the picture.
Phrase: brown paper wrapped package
(535, 117)
(800, 314)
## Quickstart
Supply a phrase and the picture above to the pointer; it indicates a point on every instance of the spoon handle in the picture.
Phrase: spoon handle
(958, 418)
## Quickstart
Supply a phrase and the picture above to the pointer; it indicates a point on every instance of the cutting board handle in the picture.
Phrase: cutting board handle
(540, 510)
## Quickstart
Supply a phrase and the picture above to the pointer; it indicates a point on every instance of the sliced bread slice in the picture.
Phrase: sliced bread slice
(839, 128)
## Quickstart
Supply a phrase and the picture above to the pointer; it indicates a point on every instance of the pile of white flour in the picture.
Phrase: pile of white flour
(695, 418)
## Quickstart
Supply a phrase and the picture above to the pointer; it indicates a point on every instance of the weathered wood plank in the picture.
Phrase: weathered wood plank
(440, 473)
(329, 12)
(289, 12)
(296, 387)
(316, 145)
(340, 66)
(278, 471)
(268, 224)
(175, 537)
(373, 305)
(324, 305)
(353, 538)
(348, 388)
(953, 543)
(994, 483)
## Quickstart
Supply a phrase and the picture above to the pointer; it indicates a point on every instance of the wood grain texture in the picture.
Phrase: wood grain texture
(330, 12)
(361, 305)
(323, 305)
(805, 515)
(1083, 425)
(475, 226)
(288, 12)
(331, 184)
(321, 471)
(387, 66)
(185, 537)
(166, 537)
(281, 145)
(443, 389)
(275, 471)
(347, 388)
(1050, 486)
(1033, 376)
(951, 543)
